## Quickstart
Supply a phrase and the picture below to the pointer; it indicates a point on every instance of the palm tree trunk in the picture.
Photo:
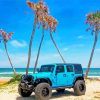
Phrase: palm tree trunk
(36, 62)
(56, 46)
(9, 58)
(91, 57)
(30, 44)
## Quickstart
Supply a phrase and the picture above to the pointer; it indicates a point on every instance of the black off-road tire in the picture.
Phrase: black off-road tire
(23, 93)
(60, 90)
(80, 87)
(43, 91)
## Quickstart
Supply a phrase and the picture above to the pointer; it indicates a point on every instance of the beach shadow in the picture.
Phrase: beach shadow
(26, 98)
(54, 95)
(60, 95)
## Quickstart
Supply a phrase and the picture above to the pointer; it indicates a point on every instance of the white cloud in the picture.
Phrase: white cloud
(81, 37)
(65, 49)
(76, 46)
(0, 51)
(16, 43)
(98, 50)
(80, 45)
(55, 55)
(20, 59)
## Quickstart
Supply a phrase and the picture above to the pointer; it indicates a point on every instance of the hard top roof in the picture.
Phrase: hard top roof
(63, 64)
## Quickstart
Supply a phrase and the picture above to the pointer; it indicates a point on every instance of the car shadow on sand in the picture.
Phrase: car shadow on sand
(54, 96)
(60, 95)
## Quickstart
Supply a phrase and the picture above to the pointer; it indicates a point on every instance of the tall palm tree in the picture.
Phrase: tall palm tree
(30, 45)
(93, 19)
(40, 10)
(41, 13)
(52, 23)
(5, 45)
(33, 7)
(41, 41)
(5, 38)
(42, 20)
(56, 46)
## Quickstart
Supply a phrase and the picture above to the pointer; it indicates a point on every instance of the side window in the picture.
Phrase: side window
(78, 69)
(60, 69)
(69, 68)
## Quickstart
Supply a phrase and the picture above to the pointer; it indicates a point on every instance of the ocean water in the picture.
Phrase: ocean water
(7, 72)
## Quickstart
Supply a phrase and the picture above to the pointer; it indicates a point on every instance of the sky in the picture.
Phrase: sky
(74, 42)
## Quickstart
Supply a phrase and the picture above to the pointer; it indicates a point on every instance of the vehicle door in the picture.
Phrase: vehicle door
(61, 75)
(70, 74)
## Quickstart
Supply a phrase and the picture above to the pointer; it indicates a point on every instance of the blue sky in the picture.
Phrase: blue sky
(73, 41)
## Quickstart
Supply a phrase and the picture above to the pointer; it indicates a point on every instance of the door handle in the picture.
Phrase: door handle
(64, 75)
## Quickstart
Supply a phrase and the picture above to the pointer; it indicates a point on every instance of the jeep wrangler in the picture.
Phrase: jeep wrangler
(53, 77)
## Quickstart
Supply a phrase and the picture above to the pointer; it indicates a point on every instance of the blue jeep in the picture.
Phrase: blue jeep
(53, 76)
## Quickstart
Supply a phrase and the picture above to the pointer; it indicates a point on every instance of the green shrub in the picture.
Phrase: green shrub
(15, 78)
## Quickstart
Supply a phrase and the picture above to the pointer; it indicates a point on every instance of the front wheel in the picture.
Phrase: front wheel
(43, 91)
(24, 93)
(80, 88)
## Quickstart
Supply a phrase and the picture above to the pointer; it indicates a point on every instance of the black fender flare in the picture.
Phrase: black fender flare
(41, 80)
(78, 78)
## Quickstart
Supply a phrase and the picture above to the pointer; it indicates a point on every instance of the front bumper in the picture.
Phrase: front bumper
(27, 82)
(25, 86)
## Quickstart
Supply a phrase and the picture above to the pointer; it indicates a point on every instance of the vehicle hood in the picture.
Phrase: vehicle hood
(42, 75)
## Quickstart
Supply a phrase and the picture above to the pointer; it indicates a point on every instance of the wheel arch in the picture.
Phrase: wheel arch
(78, 78)
(41, 80)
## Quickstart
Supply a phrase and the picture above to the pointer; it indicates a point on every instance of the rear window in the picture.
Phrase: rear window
(78, 69)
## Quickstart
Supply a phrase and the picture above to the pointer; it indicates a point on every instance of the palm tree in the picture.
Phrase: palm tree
(5, 38)
(30, 45)
(33, 7)
(42, 20)
(9, 58)
(52, 23)
(56, 46)
(36, 62)
(41, 14)
(93, 19)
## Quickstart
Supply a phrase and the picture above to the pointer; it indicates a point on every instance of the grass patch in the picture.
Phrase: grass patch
(16, 78)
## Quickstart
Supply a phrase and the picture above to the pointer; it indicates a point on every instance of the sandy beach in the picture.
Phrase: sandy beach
(92, 92)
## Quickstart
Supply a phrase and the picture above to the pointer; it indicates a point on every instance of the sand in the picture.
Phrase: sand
(4, 80)
(92, 92)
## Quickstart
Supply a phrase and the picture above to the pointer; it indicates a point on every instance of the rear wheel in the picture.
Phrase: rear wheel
(80, 88)
(43, 91)
(60, 90)
(24, 93)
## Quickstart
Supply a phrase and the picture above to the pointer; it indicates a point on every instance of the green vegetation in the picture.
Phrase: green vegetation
(15, 79)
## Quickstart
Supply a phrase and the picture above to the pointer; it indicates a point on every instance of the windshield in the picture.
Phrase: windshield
(47, 68)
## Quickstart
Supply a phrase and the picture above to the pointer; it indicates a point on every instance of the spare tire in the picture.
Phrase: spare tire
(43, 91)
